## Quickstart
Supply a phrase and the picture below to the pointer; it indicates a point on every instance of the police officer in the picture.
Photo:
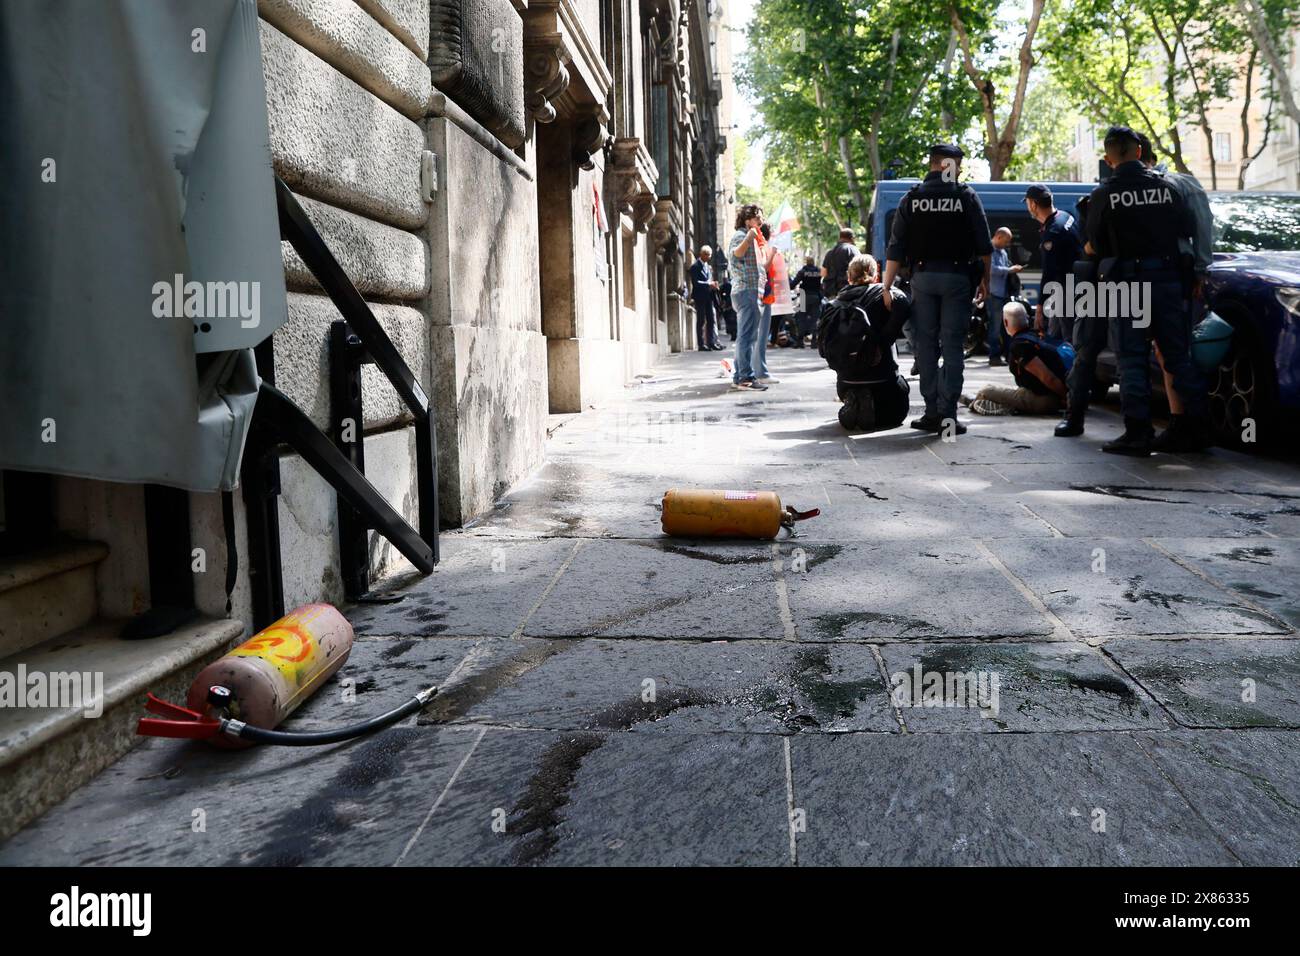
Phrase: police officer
(1059, 247)
(1136, 220)
(1179, 436)
(1090, 331)
(940, 232)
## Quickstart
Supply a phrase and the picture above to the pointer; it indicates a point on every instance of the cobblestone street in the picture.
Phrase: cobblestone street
(613, 696)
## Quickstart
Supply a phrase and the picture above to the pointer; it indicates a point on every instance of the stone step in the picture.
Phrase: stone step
(46, 592)
(47, 752)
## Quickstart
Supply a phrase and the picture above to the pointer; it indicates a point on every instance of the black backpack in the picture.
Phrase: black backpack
(851, 335)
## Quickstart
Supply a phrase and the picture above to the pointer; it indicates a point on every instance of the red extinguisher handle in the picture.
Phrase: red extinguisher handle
(183, 722)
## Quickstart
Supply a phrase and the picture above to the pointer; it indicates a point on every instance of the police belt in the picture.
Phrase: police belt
(1152, 264)
(942, 265)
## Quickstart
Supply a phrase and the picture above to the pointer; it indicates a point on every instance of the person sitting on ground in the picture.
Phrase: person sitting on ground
(856, 336)
(1038, 365)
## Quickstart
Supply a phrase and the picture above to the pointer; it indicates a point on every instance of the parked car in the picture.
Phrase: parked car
(1254, 284)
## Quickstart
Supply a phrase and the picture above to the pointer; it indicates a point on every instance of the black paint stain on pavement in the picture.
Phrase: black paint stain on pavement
(1129, 493)
(626, 715)
(866, 491)
(1247, 555)
(396, 649)
(294, 837)
(837, 625)
(747, 556)
(537, 815)
(830, 698)
(460, 698)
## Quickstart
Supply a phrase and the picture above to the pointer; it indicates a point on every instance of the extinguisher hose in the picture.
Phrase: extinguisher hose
(286, 738)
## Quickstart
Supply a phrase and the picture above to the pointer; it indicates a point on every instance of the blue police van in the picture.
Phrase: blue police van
(1004, 205)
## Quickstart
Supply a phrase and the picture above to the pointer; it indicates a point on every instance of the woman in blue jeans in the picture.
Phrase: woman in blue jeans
(748, 257)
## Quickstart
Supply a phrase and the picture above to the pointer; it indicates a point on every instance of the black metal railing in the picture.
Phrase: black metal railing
(340, 459)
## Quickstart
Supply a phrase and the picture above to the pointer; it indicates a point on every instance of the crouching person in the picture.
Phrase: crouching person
(856, 335)
(1039, 367)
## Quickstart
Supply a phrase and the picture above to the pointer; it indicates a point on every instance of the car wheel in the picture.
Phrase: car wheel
(1240, 391)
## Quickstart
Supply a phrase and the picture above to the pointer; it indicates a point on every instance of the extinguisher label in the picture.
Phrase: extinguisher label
(740, 495)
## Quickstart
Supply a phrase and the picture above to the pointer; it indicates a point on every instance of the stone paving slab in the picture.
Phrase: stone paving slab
(1207, 683)
(382, 673)
(1140, 591)
(1139, 511)
(664, 589)
(1245, 785)
(904, 592)
(582, 799)
(745, 686)
(992, 800)
(355, 803)
(1266, 573)
(1021, 688)
(480, 587)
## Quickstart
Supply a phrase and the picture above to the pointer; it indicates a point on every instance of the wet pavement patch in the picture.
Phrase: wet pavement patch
(678, 687)
(1268, 575)
(903, 591)
(1223, 683)
(992, 799)
(355, 803)
(1021, 687)
(481, 587)
(1109, 586)
(1246, 785)
(626, 590)
(622, 798)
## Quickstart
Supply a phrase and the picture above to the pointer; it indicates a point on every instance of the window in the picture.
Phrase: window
(1223, 147)
(628, 272)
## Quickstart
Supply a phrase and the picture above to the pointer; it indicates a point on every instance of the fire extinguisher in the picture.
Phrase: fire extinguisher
(239, 699)
(699, 513)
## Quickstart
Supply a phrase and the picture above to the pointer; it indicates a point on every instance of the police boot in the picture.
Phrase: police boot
(1184, 433)
(1135, 442)
(1071, 425)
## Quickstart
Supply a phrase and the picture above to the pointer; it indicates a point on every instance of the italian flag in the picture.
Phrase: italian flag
(784, 225)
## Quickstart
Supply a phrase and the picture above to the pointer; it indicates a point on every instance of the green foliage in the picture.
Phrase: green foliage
(830, 85)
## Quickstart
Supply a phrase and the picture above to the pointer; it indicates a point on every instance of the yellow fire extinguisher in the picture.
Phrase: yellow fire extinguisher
(701, 513)
(239, 699)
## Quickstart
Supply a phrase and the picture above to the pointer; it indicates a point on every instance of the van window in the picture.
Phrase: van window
(1024, 237)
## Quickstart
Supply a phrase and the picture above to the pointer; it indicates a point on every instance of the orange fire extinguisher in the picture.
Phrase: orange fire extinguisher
(239, 699)
(699, 513)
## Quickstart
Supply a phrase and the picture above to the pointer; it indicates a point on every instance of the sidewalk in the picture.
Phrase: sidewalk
(615, 697)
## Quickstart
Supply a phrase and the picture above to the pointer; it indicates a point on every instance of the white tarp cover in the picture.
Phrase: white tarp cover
(134, 164)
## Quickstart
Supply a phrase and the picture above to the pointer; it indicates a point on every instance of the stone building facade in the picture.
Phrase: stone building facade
(515, 188)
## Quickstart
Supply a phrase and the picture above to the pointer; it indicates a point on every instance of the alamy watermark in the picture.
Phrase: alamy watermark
(1102, 300)
(208, 300)
(68, 690)
(977, 690)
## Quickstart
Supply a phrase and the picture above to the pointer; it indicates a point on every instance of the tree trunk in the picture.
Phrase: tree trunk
(846, 159)
(999, 147)
(1277, 67)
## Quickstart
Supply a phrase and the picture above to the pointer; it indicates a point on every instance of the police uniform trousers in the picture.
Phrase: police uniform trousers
(1169, 322)
(940, 320)
(1090, 332)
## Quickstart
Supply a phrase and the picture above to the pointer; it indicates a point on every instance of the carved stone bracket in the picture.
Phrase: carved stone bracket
(546, 75)
(665, 227)
(589, 138)
(630, 178)
(564, 73)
